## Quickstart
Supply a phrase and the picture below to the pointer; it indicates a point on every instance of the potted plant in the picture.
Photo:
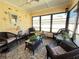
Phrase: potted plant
(33, 38)
(65, 35)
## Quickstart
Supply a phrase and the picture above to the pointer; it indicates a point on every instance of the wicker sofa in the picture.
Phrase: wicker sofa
(65, 50)
(6, 35)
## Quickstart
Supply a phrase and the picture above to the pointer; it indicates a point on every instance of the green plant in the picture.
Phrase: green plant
(33, 38)
(65, 35)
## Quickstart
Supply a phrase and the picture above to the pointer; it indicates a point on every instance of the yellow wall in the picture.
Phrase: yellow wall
(24, 18)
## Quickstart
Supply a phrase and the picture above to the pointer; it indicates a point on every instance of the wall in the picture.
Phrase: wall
(23, 22)
(24, 18)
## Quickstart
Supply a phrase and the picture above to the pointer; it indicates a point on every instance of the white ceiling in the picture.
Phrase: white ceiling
(36, 5)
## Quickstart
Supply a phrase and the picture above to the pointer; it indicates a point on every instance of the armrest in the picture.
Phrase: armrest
(49, 51)
(68, 55)
(55, 33)
(9, 34)
(3, 39)
(68, 46)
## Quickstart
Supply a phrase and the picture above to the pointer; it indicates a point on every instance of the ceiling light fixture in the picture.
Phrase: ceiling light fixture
(29, 1)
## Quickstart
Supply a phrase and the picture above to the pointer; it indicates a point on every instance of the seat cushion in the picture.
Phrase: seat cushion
(58, 50)
(11, 39)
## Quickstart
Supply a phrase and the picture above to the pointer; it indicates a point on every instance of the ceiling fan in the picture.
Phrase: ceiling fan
(29, 2)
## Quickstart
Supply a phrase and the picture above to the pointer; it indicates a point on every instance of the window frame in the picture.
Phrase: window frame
(76, 24)
(60, 13)
(39, 22)
(51, 19)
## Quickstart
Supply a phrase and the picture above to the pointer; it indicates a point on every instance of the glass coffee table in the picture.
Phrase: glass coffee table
(33, 45)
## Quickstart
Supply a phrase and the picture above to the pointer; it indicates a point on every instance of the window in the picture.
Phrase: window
(45, 23)
(59, 21)
(73, 23)
(77, 31)
(36, 23)
(13, 19)
(77, 35)
(72, 19)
